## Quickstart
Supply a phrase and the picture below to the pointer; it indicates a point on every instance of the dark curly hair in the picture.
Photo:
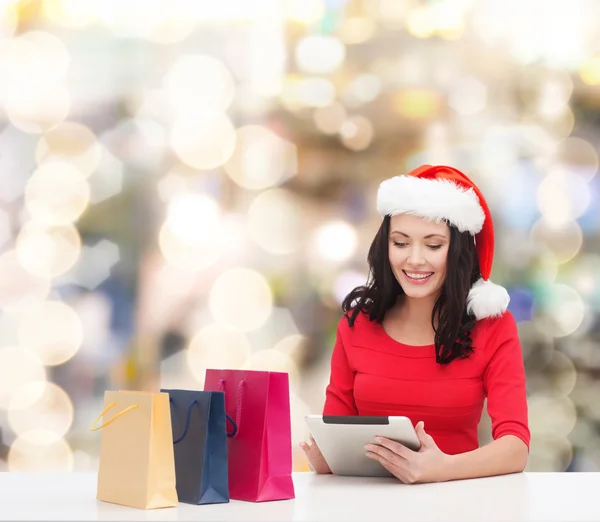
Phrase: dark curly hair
(380, 293)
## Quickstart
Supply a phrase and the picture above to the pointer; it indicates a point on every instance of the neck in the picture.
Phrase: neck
(416, 311)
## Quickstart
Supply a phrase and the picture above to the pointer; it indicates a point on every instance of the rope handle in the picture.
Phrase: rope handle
(188, 417)
(120, 414)
(238, 409)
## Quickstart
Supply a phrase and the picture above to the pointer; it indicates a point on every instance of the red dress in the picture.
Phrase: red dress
(372, 374)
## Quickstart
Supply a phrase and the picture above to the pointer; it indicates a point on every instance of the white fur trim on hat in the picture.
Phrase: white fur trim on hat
(487, 299)
(431, 198)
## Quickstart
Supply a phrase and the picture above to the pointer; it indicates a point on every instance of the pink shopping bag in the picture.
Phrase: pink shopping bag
(260, 452)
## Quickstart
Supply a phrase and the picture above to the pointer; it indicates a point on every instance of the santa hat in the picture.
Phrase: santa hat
(445, 193)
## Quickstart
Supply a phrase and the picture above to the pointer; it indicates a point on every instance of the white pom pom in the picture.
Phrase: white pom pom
(487, 299)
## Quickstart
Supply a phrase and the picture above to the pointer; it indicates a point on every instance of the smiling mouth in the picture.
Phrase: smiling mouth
(422, 276)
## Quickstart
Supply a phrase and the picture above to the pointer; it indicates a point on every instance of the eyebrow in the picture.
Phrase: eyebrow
(425, 237)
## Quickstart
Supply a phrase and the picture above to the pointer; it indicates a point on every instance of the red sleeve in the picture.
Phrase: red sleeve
(504, 381)
(339, 395)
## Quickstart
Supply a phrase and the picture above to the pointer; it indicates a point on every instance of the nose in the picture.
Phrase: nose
(415, 257)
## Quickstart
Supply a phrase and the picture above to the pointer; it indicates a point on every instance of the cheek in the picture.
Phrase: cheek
(440, 260)
(395, 256)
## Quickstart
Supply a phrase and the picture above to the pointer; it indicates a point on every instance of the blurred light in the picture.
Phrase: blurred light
(40, 405)
(566, 308)
(160, 22)
(583, 274)
(420, 22)
(189, 236)
(304, 11)
(94, 265)
(56, 193)
(545, 266)
(468, 96)
(560, 126)
(76, 14)
(241, 298)
(562, 197)
(52, 331)
(335, 241)
(190, 212)
(550, 453)
(48, 251)
(73, 142)
(173, 26)
(557, 377)
(541, 140)
(198, 83)
(274, 222)
(38, 60)
(549, 416)
(203, 140)
(172, 185)
(261, 159)
(564, 240)
(437, 144)
(19, 289)
(417, 103)
(554, 95)
(18, 367)
(319, 54)
(17, 153)
(315, 92)
(356, 30)
(9, 20)
(578, 154)
(36, 113)
(346, 282)
(107, 180)
(329, 119)
(357, 133)
(590, 71)
(365, 87)
(272, 361)
(291, 346)
(217, 346)
(141, 142)
(536, 341)
(39, 451)
(5, 228)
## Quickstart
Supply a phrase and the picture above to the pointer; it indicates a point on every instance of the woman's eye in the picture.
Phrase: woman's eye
(435, 247)
(399, 244)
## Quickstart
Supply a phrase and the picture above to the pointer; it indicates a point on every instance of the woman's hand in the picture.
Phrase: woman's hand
(429, 464)
(315, 457)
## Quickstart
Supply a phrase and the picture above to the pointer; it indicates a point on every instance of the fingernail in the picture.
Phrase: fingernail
(378, 439)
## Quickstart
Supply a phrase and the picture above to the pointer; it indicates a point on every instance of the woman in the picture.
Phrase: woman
(429, 336)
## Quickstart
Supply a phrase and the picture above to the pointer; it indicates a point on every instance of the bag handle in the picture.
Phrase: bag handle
(238, 409)
(187, 421)
(120, 414)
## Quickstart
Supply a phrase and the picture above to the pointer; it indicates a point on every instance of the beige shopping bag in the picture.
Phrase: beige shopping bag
(137, 465)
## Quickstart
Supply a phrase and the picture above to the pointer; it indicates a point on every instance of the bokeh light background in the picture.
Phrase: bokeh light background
(188, 184)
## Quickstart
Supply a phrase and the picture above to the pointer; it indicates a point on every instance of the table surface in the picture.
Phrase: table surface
(520, 497)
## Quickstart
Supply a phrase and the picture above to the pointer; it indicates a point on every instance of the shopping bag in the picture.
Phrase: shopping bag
(260, 452)
(137, 466)
(200, 442)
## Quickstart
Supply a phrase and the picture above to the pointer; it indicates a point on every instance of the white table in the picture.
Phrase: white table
(521, 497)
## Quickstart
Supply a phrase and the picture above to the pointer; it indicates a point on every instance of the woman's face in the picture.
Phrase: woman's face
(418, 250)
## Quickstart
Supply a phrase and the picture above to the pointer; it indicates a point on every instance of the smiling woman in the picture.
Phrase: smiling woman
(429, 336)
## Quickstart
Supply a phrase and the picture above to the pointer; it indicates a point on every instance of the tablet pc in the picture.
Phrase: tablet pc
(342, 441)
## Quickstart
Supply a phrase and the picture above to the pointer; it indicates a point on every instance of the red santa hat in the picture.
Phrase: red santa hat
(445, 193)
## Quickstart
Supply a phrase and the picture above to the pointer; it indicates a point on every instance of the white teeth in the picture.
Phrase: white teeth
(418, 276)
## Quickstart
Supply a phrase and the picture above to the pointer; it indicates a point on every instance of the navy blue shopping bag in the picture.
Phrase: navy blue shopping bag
(200, 443)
